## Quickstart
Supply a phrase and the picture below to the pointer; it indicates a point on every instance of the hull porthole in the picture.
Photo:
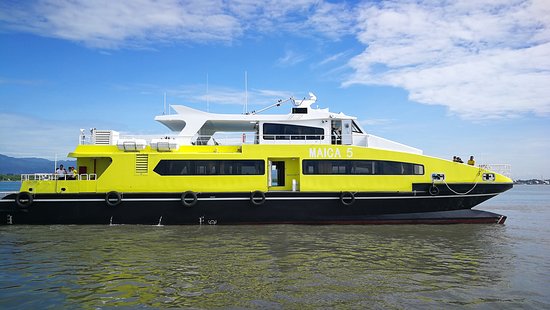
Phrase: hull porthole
(189, 199)
(113, 199)
(434, 191)
(23, 199)
(257, 198)
(347, 198)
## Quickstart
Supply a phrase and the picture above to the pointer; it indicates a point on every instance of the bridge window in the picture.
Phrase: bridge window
(292, 132)
(210, 167)
(361, 167)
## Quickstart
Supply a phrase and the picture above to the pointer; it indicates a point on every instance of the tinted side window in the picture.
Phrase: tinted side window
(361, 167)
(291, 132)
(210, 167)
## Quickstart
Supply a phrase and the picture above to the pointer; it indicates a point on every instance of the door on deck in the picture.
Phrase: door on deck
(283, 174)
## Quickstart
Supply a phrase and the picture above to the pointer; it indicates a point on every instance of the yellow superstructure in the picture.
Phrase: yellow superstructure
(110, 169)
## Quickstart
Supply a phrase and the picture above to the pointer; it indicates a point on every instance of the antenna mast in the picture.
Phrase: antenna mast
(164, 112)
(207, 98)
(245, 92)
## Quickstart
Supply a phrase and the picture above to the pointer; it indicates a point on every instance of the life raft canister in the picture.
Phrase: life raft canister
(113, 198)
(257, 198)
(189, 199)
(24, 199)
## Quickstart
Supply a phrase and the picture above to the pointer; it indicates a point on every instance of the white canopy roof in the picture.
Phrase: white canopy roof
(188, 121)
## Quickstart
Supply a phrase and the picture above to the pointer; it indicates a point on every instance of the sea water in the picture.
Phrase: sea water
(286, 266)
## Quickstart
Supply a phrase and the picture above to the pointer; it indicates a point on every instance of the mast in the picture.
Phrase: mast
(245, 92)
(164, 112)
(207, 98)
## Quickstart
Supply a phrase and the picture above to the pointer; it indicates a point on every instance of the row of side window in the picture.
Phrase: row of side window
(361, 167)
(309, 167)
(210, 167)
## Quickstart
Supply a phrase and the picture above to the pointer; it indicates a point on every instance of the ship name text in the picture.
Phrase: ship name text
(328, 152)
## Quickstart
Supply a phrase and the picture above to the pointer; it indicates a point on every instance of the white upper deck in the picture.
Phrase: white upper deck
(303, 125)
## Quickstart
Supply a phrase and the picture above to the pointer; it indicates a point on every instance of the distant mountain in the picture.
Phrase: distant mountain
(12, 165)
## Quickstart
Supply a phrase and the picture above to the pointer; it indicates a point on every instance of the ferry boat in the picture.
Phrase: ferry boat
(310, 166)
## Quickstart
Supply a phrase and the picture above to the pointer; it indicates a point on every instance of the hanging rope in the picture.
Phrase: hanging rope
(471, 189)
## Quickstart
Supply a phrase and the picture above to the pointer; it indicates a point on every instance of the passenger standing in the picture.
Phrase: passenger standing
(471, 161)
(72, 174)
(61, 172)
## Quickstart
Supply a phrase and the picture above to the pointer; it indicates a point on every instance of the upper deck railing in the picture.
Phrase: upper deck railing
(219, 139)
(164, 143)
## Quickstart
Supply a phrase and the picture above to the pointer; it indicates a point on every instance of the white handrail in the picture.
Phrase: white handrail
(54, 177)
(230, 138)
(504, 169)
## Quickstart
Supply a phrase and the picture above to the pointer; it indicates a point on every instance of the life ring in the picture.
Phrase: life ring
(257, 198)
(24, 199)
(113, 198)
(189, 199)
(347, 198)
(433, 190)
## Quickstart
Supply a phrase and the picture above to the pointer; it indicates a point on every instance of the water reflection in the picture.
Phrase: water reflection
(254, 266)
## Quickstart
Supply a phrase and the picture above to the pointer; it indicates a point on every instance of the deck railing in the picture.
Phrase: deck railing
(225, 139)
(54, 176)
(504, 169)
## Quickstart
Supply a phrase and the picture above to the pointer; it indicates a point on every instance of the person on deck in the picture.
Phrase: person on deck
(72, 174)
(471, 161)
(61, 172)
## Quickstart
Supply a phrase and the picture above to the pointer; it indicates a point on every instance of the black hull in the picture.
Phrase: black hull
(415, 207)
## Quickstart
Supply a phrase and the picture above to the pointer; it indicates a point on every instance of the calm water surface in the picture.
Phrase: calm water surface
(286, 266)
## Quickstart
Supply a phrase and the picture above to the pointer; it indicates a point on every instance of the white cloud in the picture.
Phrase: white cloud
(109, 24)
(332, 58)
(333, 19)
(226, 95)
(481, 59)
(291, 58)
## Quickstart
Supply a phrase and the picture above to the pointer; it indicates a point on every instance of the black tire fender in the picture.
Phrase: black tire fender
(347, 198)
(24, 199)
(189, 199)
(113, 198)
(257, 198)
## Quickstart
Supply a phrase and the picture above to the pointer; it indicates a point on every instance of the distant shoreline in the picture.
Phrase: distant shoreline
(532, 182)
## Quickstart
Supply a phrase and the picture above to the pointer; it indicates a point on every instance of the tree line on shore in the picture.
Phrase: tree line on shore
(10, 177)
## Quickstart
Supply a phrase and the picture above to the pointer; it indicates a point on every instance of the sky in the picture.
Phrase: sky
(449, 77)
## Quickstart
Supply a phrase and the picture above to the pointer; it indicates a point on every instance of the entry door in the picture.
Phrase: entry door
(276, 174)
(347, 135)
